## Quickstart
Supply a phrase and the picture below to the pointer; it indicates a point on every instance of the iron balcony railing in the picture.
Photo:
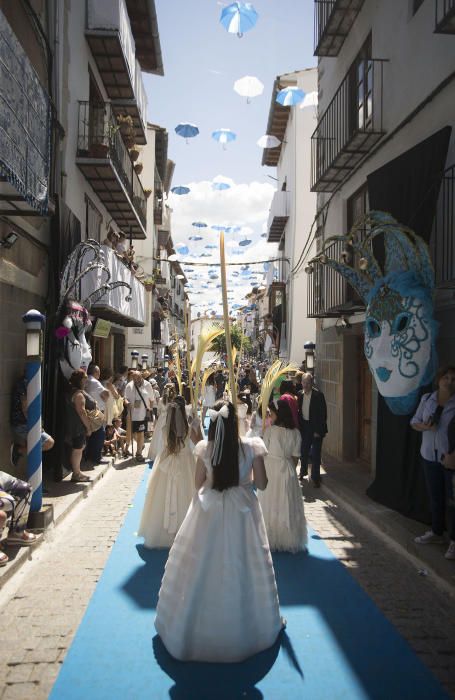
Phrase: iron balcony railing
(442, 243)
(158, 199)
(445, 16)
(350, 126)
(333, 20)
(329, 295)
(25, 123)
(99, 136)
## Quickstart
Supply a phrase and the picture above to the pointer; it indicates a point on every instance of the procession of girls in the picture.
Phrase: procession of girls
(222, 505)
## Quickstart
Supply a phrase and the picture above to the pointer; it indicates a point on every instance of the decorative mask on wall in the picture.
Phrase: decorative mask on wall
(73, 323)
(400, 330)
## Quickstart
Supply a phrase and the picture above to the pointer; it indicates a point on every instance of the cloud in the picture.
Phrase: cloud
(243, 205)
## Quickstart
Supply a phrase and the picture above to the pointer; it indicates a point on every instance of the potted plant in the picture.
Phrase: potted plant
(126, 124)
(134, 153)
(99, 148)
(148, 191)
(138, 168)
(148, 283)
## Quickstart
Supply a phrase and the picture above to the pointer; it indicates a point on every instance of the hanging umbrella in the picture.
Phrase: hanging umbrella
(268, 141)
(248, 87)
(216, 227)
(188, 269)
(195, 238)
(199, 224)
(180, 189)
(246, 241)
(290, 96)
(220, 186)
(238, 18)
(224, 136)
(186, 131)
(264, 235)
(211, 246)
(310, 100)
(238, 252)
(183, 250)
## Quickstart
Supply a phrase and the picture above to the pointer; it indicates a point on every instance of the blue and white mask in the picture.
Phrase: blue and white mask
(400, 330)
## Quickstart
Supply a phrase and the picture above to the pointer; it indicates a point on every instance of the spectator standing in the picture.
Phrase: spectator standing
(141, 399)
(160, 380)
(77, 422)
(113, 403)
(100, 395)
(313, 427)
(433, 419)
(18, 420)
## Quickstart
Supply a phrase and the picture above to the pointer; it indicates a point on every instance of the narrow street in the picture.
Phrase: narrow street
(43, 604)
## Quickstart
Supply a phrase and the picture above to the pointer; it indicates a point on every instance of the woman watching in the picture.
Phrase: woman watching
(78, 428)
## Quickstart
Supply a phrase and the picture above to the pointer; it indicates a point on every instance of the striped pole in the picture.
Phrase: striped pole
(34, 322)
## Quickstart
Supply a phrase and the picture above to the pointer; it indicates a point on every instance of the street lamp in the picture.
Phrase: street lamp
(144, 359)
(34, 322)
(134, 359)
(309, 348)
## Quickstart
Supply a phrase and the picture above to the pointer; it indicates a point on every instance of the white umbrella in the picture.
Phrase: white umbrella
(268, 141)
(310, 100)
(248, 87)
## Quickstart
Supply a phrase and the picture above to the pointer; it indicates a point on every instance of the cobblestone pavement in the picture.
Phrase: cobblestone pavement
(42, 605)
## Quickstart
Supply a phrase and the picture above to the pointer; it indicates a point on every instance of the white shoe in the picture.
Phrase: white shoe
(429, 537)
(450, 554)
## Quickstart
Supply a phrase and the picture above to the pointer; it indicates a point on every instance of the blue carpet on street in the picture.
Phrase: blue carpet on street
(337, 643)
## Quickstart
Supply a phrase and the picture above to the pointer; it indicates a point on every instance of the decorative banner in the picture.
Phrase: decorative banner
(400, 330)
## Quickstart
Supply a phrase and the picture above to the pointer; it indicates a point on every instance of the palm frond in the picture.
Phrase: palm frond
(178, 368)
(276, 372)
(205, 376)
(204, 342)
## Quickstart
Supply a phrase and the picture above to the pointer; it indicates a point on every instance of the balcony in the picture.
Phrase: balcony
(278, 215)
(105, 162)
(115, 306)
(350, 126)
(25, 131)
(111, 42)
(444, 17)
(333, 20)
(329, 295)
(158, 201)
(442, 242)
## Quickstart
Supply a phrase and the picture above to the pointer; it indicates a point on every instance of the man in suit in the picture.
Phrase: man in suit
(313, 427)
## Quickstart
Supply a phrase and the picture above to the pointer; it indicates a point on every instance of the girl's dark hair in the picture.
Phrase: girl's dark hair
(211, 379)
(226, 472)
(105, 373)
(186, 392)
(284, 417)
(77, 378)
(174, 441)
(287, 387)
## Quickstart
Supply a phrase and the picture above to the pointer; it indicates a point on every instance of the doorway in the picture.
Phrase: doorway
(364, 401)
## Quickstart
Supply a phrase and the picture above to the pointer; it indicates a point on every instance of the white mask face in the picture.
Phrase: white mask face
(77, 351)
(398, 350)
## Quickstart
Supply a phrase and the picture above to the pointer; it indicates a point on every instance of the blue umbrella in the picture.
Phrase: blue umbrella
(187, 131)
(290, 96)
(211, 246)
(218, 228)
(264, 235)
(246, 241)
(238, 252)
(220, 186)
(238, 18)
(183, 249)
(180, 189)
(224, 136)
(199, 224)
(195, 238)
(205, 255)
(188, 269)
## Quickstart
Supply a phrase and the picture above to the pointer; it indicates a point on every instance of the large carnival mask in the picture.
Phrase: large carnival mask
(73, 318)
(400, 331)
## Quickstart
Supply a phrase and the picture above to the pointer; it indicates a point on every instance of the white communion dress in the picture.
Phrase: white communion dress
(169, 493)
(282, 502)
(158, 441)
(242, 410)
(218, 600)
(255, 429)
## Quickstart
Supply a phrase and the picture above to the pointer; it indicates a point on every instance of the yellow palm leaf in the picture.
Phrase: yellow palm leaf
(204, 342)
(276, 372)
(205, 376)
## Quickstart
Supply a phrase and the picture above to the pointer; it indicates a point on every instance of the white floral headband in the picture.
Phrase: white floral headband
(219, 431)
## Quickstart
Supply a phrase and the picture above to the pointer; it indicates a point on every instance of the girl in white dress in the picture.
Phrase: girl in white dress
(171, 484)
(282, 503)
(158, 441)
(242, 411)
(209, 396)
(218, 600)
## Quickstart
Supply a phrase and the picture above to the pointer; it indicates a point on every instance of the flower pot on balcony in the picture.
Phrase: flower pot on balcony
(134, 154)
(149, 286)
(99, 150)
(147, 193)
(138, 168)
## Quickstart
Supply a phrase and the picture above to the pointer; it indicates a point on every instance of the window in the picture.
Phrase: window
(361, 81)
(93, 220)
(357, 207)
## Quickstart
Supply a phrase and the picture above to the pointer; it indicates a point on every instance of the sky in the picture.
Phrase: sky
(201, 63)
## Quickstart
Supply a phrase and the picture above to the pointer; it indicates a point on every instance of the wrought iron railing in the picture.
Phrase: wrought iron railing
(99, 136)
(350, 125)
(445, 15)
(158, 199)
(25, 123)
(333, 20)
(442, 243)
(322, 12)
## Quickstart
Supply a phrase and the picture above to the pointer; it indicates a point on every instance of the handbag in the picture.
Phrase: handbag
(148, 413)
(95, 418)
